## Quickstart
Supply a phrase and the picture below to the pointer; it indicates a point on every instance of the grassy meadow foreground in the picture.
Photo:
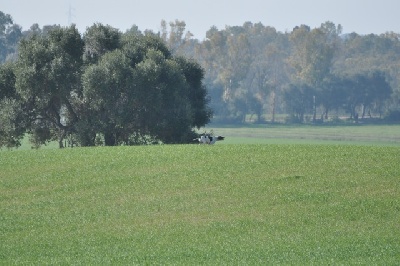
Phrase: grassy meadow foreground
(192, 204)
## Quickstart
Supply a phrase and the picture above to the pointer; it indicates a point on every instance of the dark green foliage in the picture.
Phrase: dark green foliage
(106, 88)
(196, 92)
(12, 126)
(7, 81)
(100, 39)
(48, 73)
(140, 93)
(11, 112)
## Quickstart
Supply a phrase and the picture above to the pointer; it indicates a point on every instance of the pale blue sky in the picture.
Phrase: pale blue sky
(361, 16)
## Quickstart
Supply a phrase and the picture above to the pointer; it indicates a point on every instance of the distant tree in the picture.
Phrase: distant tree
(176, 34)
(35, 29)
(212, 55)
(5, 22)
(333, 94)
(376, 92)
(355, 93)
(164, 31)
(277, 73)
(366, 90)
(227, 58)
(299, 101)
(371, 53)
(10, 34)
(312, 55)
(234, 74)
(179, 41)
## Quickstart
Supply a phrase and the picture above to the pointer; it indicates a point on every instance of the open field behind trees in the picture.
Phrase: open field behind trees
(274, 133)
(201, 204)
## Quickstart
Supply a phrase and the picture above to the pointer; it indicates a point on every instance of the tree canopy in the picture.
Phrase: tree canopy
(105, 87)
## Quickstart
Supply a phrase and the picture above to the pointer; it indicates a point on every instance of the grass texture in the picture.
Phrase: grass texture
(194, 204)
(359, 134)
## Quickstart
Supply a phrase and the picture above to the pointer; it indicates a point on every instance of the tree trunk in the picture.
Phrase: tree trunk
(273, 107)
(314, 110)
(109, 139)
(61, 137)
(326, 113)
(363, 111)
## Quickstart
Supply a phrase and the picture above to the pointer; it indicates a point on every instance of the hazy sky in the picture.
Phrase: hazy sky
(361, 16)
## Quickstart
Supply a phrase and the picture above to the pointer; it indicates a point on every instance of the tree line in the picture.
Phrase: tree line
(111, 88)
(307, 74)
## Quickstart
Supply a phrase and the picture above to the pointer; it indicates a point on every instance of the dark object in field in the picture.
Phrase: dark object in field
(208, 139)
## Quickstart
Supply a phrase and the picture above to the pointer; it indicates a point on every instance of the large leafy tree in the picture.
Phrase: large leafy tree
(47, 79)
(173, 115)
(141, 93)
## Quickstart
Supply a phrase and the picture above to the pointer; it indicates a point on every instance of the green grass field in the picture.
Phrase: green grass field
(359, 134)
(193, 204)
